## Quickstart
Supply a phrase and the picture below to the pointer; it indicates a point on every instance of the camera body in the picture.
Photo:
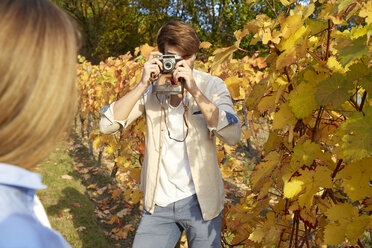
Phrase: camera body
(166, 84)
(169, 62)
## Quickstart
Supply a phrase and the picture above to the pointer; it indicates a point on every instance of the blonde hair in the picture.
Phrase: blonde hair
(38, 98)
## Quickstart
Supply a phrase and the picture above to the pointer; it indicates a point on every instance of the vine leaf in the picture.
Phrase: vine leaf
(264, 169)
(344, 219)
(361, 72)
(284, 117)
(356, 177)
(305, 154)
(357, 135)
(334, 90)
(356, 50)
(302, 100)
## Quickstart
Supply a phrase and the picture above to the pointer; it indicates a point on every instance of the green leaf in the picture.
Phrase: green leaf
(362, 73)
(357, 136)
(302, 100)
(357, 50)
(334, 90)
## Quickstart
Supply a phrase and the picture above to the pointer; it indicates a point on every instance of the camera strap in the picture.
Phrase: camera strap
(186, 108)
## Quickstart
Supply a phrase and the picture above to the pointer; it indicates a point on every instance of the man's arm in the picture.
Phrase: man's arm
(218, 113)
(121, 110)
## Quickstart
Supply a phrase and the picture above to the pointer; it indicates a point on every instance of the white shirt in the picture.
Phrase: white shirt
(175, 181)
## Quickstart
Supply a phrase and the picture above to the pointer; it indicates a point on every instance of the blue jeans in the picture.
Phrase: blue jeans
(163, 228)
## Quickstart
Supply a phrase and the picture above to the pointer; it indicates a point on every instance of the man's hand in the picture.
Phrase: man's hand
(152, 66)
(183, 70)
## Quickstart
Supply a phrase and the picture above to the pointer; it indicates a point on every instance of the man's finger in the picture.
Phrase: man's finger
(154, 54)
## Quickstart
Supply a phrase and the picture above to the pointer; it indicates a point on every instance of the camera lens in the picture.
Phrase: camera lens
(168, 65)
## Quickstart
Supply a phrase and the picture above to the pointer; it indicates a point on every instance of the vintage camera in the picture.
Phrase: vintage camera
(166, 84)
(169, 62)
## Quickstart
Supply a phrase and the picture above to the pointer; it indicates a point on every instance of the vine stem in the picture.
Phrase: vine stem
(314, 55)
(317, 122)
(360, 244)
(297, 228)
(241, 49)
(337, 169)
(295, 220)
(272, 8)
(280, 239)
(328, 40)
(363, 101)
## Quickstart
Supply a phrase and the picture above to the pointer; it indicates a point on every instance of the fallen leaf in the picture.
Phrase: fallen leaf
(67, 177)
(116, 192)
(80, 228)
(92, 186)
(101, 190)
(86, 176)
(124, 212)
(76, 205)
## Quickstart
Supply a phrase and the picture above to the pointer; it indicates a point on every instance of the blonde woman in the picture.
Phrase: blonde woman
(38, 46)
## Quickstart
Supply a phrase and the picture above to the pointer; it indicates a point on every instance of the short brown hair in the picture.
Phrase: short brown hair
(180, 35)
(38, 95)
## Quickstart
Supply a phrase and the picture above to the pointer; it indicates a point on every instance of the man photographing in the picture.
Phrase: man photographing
(180, 178)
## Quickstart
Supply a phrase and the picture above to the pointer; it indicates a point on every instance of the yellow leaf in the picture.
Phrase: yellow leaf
(284, 117)
(290, 25)
(356, 177)
(229, 149)
(302, 100)
(226, 171)
(343, 212)
(334, 65)
(334, 234)
(366, 12)
(356, 228)
(247, 133)
(136, 196)
(234, 86)
(220, 155)
(92, 186)
(304, 154)
(266, 36)
(110, 150)
(97, 142)
(115, 193)
(221, 55)
(146, 50)
(239, 34)
(292, 188)
(257, 235)
(120, 160)
(204, 44)
(286, 58)
(267, 103)
(264, 169)
(113, 220)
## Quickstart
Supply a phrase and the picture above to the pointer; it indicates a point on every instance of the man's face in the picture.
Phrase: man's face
(189, 59)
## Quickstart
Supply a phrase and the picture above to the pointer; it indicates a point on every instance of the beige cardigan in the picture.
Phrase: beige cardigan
(200, 142)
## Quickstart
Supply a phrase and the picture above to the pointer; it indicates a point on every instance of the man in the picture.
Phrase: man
(180, 178)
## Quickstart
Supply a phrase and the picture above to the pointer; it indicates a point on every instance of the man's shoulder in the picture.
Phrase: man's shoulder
(204, 77)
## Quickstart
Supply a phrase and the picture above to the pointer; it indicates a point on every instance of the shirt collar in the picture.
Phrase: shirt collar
(16, 176)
